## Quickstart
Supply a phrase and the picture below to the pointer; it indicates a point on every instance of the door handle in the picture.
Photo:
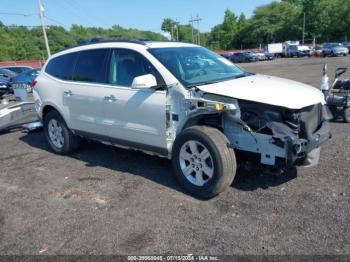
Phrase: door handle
(110, 98)
(68, 93)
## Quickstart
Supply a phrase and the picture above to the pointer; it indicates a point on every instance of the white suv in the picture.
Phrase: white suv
(182, 102)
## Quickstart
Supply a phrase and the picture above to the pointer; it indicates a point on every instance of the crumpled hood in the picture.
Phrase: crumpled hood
(268, 90)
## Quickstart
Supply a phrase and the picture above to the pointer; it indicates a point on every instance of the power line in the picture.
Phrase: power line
(19, 14)
(55, 21)
(26, 26)
(75, 6)
(68, 8)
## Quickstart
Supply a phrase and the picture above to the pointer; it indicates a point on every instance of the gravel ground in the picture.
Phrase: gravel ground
(104, 200)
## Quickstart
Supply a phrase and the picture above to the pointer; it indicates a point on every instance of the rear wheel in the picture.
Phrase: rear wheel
(203, 162)
(347, 115)
(62, 141)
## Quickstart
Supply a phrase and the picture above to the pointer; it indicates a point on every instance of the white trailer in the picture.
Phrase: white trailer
(275, 48)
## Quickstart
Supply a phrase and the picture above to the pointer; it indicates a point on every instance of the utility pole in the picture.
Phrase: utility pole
(172, 31)
(304, 28)
(191, 22)
(177, 23)
(198, 20)
(41, 14)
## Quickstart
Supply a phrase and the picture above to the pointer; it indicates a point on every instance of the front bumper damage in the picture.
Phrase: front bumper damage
(283, 146)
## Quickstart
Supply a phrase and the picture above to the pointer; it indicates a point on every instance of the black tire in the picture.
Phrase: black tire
(71, 141)
(334, 111)
(347, 115)
(223, 158)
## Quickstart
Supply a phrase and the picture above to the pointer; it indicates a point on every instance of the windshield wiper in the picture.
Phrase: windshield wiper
(243, 75)
(203, 84)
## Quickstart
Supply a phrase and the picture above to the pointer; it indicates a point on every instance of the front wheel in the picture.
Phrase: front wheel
(203, 161)
(347, 115)
(62, 141)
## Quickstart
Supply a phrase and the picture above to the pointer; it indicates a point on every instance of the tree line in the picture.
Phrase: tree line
(325, 21)
(22, 43)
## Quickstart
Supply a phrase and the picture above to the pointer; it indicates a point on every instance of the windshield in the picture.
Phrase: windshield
(194, 66)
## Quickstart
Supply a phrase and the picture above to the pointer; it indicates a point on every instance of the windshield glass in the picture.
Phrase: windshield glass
(194, 66)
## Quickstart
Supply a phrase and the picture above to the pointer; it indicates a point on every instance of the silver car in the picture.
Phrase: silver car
(334, 49)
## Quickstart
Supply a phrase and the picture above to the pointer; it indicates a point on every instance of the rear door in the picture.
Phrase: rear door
(84, 95)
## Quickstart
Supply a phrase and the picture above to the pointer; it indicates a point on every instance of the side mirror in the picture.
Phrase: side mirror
(144, 82)
(340, 71)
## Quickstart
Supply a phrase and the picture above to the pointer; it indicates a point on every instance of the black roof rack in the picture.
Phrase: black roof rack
(97, 40)
(106, 40)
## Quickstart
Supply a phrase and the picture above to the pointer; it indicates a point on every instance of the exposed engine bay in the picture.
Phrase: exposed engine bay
(277, 135)
(282, 134)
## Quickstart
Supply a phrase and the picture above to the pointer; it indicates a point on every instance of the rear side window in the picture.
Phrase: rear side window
(62, 66)
(91, 66)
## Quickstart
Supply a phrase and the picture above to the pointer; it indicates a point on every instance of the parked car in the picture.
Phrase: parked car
(17, 69)
(6, 74)
(141, 96)
(227, 55)
(261, 55)
(26, 77)
(244, 57)
(303, 51)
(347, 45)
(298, 51)
(270, 56)
(318, 51)
(334, 49)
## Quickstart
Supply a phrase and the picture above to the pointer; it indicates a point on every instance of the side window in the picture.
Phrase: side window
(91, 66)
(62, 66)
(125, 65)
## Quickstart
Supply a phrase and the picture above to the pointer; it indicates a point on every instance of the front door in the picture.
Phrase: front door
(134, 116)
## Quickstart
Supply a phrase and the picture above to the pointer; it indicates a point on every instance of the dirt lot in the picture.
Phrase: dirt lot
(104, 200)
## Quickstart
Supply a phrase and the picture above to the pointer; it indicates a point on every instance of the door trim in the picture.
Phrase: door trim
(163, 152)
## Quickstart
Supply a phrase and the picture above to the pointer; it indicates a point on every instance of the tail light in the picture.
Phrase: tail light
(33, 84)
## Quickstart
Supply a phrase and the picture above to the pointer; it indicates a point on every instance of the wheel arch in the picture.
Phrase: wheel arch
(213, 120)
(51, 107)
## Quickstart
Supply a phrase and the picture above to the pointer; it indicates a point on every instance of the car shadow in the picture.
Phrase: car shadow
(152, 168)
(253, 179)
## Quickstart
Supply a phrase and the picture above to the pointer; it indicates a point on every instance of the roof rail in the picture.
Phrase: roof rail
(106, 40)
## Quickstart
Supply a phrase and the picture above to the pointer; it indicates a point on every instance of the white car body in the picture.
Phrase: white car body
(150, 120)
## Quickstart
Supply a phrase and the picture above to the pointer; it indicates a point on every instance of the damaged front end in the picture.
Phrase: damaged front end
(280, 136)
(270, 135)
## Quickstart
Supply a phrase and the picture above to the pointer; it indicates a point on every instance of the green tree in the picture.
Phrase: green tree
(168, 26)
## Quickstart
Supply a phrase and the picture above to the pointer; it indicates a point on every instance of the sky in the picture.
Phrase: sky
(140, 14)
